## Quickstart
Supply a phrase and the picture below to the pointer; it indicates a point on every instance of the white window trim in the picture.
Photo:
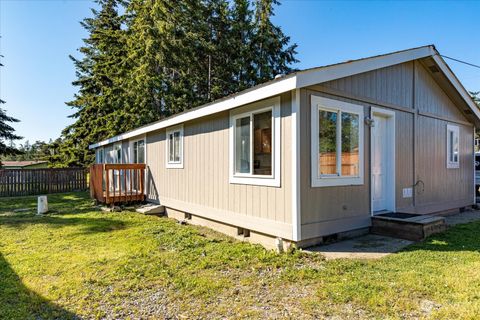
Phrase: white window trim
(456, 131)
(131, 142)
(171, 164)
(250, 179)
(318, 103)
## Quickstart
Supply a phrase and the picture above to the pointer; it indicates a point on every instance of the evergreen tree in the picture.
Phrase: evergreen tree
(476, 97)
(7, 132)
(99, 76)
(272, 53)
(241, 36)
(163, 57)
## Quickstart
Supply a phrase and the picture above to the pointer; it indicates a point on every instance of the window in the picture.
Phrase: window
(138, 151)
(336, 143)
(255, 144)
(117, 153)
(453, 147)
(174, 147)
(99, 155)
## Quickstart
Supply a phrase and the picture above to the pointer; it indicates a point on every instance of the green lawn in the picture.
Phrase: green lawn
(81, 262)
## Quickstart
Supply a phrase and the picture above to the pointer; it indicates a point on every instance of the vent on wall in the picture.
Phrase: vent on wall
(433, 69)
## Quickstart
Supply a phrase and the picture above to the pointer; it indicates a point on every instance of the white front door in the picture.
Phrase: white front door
(379, 163)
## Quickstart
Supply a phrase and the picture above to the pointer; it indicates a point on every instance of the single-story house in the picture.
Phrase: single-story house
(24, 164)
(316, 152)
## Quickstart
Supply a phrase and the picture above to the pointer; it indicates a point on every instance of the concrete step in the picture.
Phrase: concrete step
(151, 209)
(413, 227)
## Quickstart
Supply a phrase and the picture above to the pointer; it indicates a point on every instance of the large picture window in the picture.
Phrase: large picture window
(174, 145)
(254, 150)
(453, 147)
(337, 143)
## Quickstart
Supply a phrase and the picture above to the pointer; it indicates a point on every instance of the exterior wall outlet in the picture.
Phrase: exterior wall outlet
(407, 192)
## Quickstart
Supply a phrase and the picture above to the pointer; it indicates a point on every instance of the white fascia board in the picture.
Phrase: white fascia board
(275, 88)
(338, 71)
(456, 84)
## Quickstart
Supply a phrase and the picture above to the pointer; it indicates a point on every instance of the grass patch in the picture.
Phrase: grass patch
(83, 263)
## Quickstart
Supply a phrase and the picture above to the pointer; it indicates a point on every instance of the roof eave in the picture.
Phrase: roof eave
(457, 84)
(290, 82)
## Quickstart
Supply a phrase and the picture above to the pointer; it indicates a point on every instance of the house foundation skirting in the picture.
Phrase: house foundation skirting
(267, 241)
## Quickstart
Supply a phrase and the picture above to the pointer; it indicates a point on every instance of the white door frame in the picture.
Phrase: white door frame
(390, 192)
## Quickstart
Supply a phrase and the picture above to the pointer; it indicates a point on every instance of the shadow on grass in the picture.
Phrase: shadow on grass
(60, 202)
(63, 211)
(18, 302)
(86, 225)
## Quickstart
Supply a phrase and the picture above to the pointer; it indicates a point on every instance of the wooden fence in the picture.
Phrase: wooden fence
(24, 182)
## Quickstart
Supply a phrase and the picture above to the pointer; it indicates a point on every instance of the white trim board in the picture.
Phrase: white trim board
(296, 202)
(291, 82)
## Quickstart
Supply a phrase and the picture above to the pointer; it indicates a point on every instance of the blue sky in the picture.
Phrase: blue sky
(38, 36)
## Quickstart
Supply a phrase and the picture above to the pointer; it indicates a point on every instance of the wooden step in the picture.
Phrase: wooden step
(410, 227)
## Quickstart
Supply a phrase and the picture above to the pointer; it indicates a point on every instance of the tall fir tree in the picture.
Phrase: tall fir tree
(166, 56)
(243, 55)
(99, 103)
(7, 132)
(272, 51)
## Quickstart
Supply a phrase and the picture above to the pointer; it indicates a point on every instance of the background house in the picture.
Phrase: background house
(24, 164)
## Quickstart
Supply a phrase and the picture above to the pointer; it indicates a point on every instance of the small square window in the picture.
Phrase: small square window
(453, 147)
(174, 147)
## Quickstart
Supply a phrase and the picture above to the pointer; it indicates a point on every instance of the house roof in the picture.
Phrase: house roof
(21, 163)
(301, 79)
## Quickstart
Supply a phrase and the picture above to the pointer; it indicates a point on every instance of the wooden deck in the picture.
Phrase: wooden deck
(117, 183)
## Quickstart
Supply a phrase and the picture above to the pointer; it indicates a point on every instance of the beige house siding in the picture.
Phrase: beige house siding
(442, 188)
(392, 85)
(421, 110)
(202, 187)
(431, 98)
(328, 210)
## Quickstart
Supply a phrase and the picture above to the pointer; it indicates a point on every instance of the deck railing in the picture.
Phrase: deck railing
(116, 183)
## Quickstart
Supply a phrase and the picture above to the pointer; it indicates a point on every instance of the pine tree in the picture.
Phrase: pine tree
(99, 75)
(163, 57)
(7, 132)
(272, 54)
(242, 55)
